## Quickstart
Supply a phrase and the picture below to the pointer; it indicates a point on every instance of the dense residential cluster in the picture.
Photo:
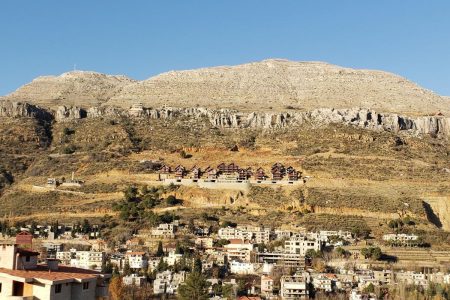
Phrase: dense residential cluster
(234, 261)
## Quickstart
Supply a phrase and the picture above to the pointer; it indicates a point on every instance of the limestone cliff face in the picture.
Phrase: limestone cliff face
(363, 118)
(226, 118)
(22, 109)
(439, 211)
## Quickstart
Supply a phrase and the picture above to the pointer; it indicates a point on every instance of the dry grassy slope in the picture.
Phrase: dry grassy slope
(267, 85)
(79, 88)
(354, 172)
(21, 142)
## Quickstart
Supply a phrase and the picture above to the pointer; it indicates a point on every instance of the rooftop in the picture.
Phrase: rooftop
(42, 272)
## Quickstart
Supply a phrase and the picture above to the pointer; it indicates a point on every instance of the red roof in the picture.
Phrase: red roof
(27, 252)
(135, 253)
(236, 241)
(249, 298)
(64, 273)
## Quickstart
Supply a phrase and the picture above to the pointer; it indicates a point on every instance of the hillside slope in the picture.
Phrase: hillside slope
(277, 84)
(267, 85)
(79, 88)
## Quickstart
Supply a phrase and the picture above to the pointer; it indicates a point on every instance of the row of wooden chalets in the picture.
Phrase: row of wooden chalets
(231, 171)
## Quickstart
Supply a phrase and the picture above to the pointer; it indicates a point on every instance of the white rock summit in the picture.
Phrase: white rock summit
(270, 85)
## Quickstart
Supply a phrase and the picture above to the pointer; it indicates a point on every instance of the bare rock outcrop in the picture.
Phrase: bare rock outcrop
(64, 113)
(228, 118)
(267, 86)
(273, 85)
(22, 109)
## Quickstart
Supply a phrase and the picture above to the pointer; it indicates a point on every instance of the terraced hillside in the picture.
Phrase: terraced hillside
(356, 178)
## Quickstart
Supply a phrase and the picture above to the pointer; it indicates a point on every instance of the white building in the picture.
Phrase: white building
(300, 245)
(229, 233)
(164, 231)
(238, 250)
(167, 282)
(447, 278)
(401, 238)
(242, 268)
(52, 246)
(136, 260)
(257, 234)
(22, 278)
(295, 287)
(384, 276)
(410, 277)
(172, 258)
(282, 234)
(356, 295)
(82, 259)
(323, 283)
(133, 279)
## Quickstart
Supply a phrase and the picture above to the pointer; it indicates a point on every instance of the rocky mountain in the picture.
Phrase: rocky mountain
(269, 85)
(80, 88)
(228, 118)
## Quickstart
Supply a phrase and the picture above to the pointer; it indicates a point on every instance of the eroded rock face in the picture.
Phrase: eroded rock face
(23, 109)
(227, 118)
(64, 113)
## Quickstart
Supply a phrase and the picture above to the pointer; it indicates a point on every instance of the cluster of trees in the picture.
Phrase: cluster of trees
(341, 252)
(372, 253)
(361, 232)
(399, 224)
(137, 205)
(434, 291)
(6, 178)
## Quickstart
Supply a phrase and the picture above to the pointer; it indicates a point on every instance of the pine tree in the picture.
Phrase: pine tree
(160, 251)
(178, 249)
(126, 268)
(194, 288)
(197, 265)
(162, 265)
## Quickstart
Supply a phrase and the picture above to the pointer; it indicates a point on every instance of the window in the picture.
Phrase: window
(85, 285)
(58, 288)
(0, 287)
(27, 258)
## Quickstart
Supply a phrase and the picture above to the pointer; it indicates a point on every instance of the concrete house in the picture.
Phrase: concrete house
(21, 277)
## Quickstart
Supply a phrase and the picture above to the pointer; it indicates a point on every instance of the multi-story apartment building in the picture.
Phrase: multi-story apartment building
(167, 282)
(301, 244)
(136, 259)
(82, 259)
(295, 287)
(164, 231)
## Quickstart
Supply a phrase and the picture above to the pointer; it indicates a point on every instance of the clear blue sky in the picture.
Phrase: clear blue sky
(144, 38)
